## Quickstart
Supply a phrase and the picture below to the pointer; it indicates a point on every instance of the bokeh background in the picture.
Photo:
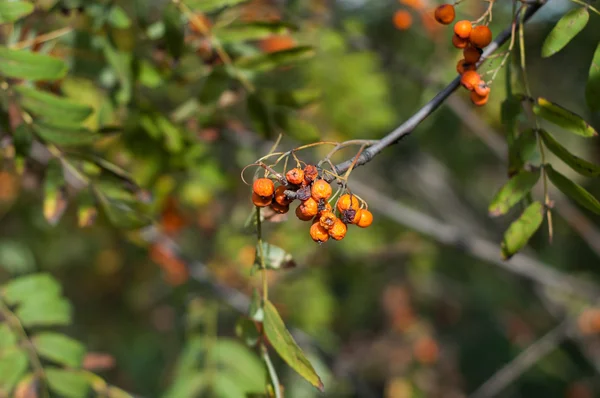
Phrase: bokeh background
(401, 309)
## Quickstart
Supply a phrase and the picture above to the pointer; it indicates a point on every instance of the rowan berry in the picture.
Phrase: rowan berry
(324, 206)
(366, 218)
(310, 173)
(321, 190)
(263, 187)
(318, 233)
(470, 79)
(459, 42)
(261, 201)
(279, 208)
(472, 54)
(351, 216)
(402, 19)
(307, 209)
(295, 176)
(338, 230)
(280, 196)
(462, 66)
(479, 100)
(445, 14)
(482, 89)
(416, 4)
(480, 36)
(347, 201)
(327, 219)
(303, 193)
(463, 29)
(276, 43)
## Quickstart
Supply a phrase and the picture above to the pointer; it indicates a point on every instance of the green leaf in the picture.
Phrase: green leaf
(592, 88)
(563, 118)
(13, 365)
(522, 229)
(521, 151)
(274, 257)
(286, 347)
(565, 30)
(45, 312)
(12, 11)
(59, 348)
(578, 164)
(269, 61)
(67, 136)
(212, 5)
(573, 190)
(28, 287)
(513, 192)
(250, 31)
(55, 197)
(52, 108)
(174, 35)
(7, 337)
(245, 329)
(118, 18)
(242, 366)
(23, 64)
(70, 384)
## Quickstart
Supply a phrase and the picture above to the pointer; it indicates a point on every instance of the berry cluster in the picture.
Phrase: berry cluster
(472, 40)
(315, 195)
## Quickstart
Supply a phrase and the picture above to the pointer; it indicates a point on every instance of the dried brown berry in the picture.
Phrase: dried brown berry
(303, 193)
(310, 173)
(327, 220)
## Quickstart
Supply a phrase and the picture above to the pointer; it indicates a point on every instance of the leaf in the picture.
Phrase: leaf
(13, 365)
(70, 384)
(573, 190)
(521, 230)
(67, 136)
(286, 347)
(563, 118)
(59, 348)
(7, 337)
(521, 151)
(55, 198)
(45, 312)
(250, 31)
(121, 213)
(565, 30)
(118, 18)
(27, 287)
(245, 329)
(264, 62)
(274, 257)
(213, 5)
(578, 164)
(513, 192)
(52, 108)
(23, 64)
(12, 11)
(241, 365)
(592, 88)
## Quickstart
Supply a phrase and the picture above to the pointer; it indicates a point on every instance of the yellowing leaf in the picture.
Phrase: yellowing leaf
(562, 117)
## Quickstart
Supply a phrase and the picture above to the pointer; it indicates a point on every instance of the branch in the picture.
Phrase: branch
(408, 126)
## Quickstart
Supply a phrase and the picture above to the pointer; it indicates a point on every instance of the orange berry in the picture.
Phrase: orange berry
(482, 89)
(327, 220)
(416, 4)
(321, 190)
(307, 209)
(279, 208)
(310, 173)
(366, 218)
(463, 29)
(462, 66)
(295, 176)
(402, 20)
(479, 100)
(347, 201)
(324, 206)
(261, 201)
(351, 216)
(276, 43)
(263, 187)
(459, 42)
(480, 36)
(318, 233)
(338, 230)
(472, 54)
(470, 79)
(426, 350)
(445, 14)
(280, 196)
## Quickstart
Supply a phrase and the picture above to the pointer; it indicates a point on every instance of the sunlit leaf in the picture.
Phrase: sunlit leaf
(521, 230)
(52, 108)
(23, 64)
(565, 30)
(118, 18)
(269, 61)
(562, 117)
(47, 311)
(513, 192)
(67, 383)
(239, 363)
(592, 88)
(286, 347)
(573, 190)
(13, 365)
(26, 288)
(250, 31)
(67, 136)
(578, 164)
(12, 11)
(8, 338)
(212, 5)
(86, 209)
(59, 349)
